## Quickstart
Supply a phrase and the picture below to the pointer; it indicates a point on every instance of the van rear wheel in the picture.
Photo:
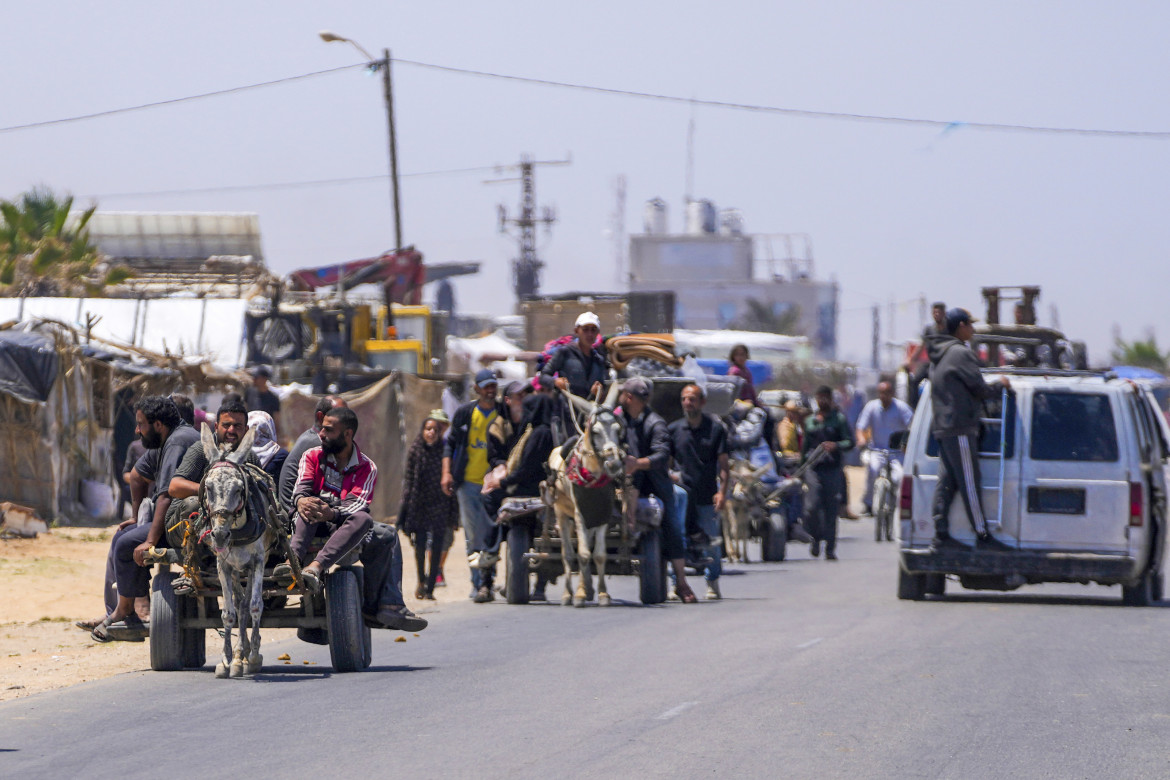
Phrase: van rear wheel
(911, 587)
(1141, 594)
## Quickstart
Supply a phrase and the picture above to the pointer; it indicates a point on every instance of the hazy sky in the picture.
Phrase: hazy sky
(893, 210)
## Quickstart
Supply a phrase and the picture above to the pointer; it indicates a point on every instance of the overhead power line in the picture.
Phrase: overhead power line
(800, 112)
(172, 101)
(724, 104)
(290, 185)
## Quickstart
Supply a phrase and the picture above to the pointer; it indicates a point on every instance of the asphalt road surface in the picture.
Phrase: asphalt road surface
(806, 669)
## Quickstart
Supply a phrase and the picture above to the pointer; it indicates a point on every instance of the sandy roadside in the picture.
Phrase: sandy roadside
(55, 579)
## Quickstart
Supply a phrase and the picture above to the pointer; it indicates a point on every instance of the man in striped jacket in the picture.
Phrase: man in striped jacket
(334, 486)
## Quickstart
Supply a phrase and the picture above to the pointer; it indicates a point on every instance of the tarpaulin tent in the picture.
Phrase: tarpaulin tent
(28, 365)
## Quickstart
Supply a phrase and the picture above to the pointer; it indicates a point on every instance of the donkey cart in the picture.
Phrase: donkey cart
(633, 547)
(333, 617)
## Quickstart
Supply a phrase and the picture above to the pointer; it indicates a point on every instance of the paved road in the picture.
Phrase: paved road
(806, 669)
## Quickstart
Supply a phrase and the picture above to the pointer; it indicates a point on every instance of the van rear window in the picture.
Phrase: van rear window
(1073, 426)
(989, 429)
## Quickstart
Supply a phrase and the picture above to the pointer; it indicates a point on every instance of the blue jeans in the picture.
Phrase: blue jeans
(709, 522)
(478, 528)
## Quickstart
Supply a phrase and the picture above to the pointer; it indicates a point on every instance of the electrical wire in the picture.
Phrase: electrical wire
(799, 112)
(724, 104)
(172, 101)
(289, 185)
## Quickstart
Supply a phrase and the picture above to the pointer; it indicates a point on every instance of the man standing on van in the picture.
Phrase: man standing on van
(957, 391)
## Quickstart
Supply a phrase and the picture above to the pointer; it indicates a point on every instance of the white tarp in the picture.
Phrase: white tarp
(212, 328)
(467, 355)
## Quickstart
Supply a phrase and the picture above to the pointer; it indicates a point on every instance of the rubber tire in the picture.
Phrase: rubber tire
(911, 587)
(774, 538)
(166, 646)
(343, 614)
(936, 584)
(1141, 594)
(516, 579)
(1157, 586)
(194, 640)
(652, 568)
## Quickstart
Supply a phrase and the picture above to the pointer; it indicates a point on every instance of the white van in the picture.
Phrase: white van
(1083, 494)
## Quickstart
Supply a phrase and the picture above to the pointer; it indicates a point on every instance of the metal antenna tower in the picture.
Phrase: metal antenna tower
(526, 267)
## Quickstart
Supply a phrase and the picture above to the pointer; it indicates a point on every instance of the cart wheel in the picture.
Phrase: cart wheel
(166, 645)
(774, 537)
(516, 573)
(1141, 594)
(343, 613)
(652, 570)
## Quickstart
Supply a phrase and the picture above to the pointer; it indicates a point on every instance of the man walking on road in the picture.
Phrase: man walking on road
(699, 443)
(881, 417)
(957, 391)
(465, 464)
(828, 430)
(648, 463)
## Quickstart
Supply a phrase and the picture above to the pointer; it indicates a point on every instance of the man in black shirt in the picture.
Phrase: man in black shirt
(158, 423)
(648, 464)
(260, 396)
(699, 443)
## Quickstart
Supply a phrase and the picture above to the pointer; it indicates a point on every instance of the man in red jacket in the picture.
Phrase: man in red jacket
(335, 483)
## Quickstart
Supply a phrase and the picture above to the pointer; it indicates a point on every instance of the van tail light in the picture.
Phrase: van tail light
(906, 497)
(1136, 502)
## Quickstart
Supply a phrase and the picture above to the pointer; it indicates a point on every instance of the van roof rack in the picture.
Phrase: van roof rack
(1033, 371)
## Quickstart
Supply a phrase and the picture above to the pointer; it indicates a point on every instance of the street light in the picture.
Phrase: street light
(383, 65)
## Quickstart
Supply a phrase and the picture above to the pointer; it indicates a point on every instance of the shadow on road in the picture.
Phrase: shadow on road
(297, 673)
(1039, 600)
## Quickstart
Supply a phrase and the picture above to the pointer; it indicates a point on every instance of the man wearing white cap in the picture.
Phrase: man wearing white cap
(579, 367)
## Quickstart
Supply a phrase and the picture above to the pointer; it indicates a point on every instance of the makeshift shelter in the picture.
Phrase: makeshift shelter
(60, 402)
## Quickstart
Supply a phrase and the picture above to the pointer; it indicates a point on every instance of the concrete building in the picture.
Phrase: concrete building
(725, 278)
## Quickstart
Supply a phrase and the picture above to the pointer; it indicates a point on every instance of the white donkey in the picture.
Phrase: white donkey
(224, 498)
(583, 494)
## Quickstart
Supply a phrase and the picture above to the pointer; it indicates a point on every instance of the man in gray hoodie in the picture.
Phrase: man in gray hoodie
(957, 391)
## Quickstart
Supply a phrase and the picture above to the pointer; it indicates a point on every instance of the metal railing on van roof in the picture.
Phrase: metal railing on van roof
(1059, 372)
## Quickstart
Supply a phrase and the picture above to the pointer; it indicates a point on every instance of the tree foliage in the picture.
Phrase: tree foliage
(762, 318)
(1144, 354)
(44, 253)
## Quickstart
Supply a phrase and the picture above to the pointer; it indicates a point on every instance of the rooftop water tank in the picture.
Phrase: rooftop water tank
(700, 217)
(654, 217)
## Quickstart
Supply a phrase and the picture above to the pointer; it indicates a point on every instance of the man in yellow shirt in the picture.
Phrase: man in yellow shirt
(465, 464)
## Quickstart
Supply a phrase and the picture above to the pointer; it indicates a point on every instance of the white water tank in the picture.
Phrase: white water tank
(654, 217)
(700, 217)
(731, 222)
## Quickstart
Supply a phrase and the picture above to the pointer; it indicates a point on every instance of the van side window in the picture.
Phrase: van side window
(1150, 414)
(1073, 426)
(989, 429)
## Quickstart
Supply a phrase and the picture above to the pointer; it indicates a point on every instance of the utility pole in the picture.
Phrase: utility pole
(875, 357)
(526, 267)
(388, 88)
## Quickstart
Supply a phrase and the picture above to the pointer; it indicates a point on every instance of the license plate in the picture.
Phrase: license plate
(1056, 501)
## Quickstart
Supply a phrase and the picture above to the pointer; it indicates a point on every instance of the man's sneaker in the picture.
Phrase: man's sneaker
(537, 595)
(830, 555)
(943, 543)
(991, 544)
(866, 510)
(399, 618)
(713, 593)
(814, 548)
(439, 581)
(484, 595)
